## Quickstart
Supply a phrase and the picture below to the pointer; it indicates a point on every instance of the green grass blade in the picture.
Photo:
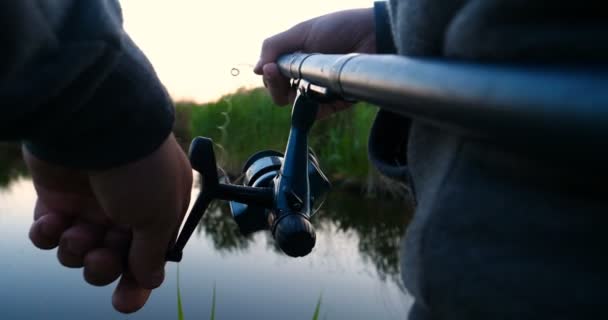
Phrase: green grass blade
(315, 316)
(180, 311)
(213, 305)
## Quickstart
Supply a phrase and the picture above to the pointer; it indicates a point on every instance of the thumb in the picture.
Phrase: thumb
(147, 254)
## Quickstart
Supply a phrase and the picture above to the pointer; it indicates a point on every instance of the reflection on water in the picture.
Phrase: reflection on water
(378, 224)
(218, 225)
(355, 266)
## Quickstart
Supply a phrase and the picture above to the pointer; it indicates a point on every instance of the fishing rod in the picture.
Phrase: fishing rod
(537, 107)
(549, 106)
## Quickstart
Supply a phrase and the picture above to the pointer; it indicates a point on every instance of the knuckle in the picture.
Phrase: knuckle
(267, 44)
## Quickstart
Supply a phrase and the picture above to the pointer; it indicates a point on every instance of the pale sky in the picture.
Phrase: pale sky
(194, 44)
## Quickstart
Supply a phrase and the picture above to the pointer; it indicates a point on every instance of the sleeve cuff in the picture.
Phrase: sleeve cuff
(128, 116)
(384, 36)
(387, 145)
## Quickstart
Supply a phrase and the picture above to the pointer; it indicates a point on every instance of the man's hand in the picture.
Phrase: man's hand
(114, 223)
(337, 33)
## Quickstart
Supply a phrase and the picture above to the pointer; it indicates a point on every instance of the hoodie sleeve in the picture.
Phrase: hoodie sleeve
(75, 88)
(384, 36)
(387, 144)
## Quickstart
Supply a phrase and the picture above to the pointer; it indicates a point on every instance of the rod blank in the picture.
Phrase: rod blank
(547, 105)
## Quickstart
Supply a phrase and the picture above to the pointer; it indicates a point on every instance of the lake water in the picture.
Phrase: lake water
(354, 267)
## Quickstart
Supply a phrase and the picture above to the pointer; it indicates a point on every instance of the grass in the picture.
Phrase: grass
(180, 310)
(213, 305)
(180, 313)
(247, 122)
(315, 316)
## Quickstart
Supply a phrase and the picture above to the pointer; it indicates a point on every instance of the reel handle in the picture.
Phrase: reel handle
(202, 159)
(291, 227)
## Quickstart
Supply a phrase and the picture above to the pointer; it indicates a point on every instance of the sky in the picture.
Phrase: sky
(195, 44)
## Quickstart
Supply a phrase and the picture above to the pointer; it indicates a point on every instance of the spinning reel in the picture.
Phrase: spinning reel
(278, 192)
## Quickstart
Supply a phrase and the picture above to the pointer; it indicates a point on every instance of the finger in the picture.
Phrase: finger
(102, 266)
(147, 255)
(77, 241)
(118, 240)
(286, 42)
(46, 232)
(129, 296)
(277, 84)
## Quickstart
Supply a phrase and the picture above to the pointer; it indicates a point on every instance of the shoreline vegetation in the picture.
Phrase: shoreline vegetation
(245, 122)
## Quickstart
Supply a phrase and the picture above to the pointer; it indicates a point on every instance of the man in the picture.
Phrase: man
(498, 233)
(112, 182)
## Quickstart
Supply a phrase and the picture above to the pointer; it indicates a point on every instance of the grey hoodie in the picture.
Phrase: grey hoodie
(497, 234)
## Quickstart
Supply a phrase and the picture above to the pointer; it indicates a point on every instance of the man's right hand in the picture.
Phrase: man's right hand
(113, 223)
(336, 33)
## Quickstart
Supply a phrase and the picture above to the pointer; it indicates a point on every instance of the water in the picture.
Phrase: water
(354, 267)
